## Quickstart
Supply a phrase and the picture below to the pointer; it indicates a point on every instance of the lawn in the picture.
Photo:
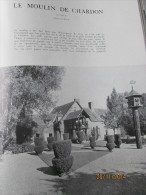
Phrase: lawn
(81, 157)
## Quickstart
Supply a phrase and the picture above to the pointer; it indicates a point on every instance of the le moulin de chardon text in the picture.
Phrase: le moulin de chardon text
(62, 9)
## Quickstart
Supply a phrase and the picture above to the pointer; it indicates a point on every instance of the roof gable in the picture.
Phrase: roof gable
(91, 115)
(73, 115)
(62, 109)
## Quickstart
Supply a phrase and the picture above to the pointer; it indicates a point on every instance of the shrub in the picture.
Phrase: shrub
(20, 134)
(110, 146)
(95, 132)
(105, 137)
(39, 149)
(110, 142)
(92, 142)
(110, 138)
(118, 140)
(17, 148)
(39, 144)
(66, 136)
(143, 140)
(50, 141)
(62, 161)
(80, 135)
(128, 139)
(38, 141)
(87, 137)
(62, 165)
(62, 149)
(24, 129)
(74, 136)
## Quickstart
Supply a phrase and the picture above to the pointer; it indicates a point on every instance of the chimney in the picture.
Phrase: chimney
(77, 100)
(91, 106)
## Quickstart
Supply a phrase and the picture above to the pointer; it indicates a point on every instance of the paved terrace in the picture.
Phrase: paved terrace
(28, 174)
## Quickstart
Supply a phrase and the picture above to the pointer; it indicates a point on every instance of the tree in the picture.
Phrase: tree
(118, 114)
(116, 108)
(31, 88)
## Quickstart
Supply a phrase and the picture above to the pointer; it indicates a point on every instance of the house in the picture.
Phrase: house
(72, 116)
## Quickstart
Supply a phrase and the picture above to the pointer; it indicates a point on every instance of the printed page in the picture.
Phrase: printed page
(72, 97)
(71, 33)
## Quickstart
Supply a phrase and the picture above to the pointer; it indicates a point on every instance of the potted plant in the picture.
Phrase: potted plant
(92, 142)
(118, 140)
(63, 160)
(110, 142)
(39, 144)
(50, 141)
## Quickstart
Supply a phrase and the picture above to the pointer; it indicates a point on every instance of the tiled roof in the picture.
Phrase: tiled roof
(99, 113)
(91, 115)
(73, 115)
(62, 109)
(50, 117)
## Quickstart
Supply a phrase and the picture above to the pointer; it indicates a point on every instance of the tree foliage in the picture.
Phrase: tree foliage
(118, 114)
(29, 89)
(116, 106)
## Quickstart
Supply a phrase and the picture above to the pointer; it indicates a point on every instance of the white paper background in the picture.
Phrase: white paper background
(120, 23)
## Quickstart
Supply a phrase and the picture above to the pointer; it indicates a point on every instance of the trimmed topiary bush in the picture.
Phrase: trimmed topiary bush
(39, 144)
(110, 142)
(118, 140)
(128, 139)
(110, 138)
(143, 140)
(92, 142)
(62, 165)
(38, 141)
(50, 141)
(74, 136)
(66, 136)
(62, 161)
(39, 149)
(110, 146)
(62, 149)
(80, 135)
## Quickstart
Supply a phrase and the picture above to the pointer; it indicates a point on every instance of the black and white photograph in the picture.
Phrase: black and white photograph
(72, 130)
(72, 97)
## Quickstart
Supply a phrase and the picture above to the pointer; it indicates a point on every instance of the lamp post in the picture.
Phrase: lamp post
(134, 102)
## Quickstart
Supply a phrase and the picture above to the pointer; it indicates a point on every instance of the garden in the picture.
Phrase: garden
(65, 156)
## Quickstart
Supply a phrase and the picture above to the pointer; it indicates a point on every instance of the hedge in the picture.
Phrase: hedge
(62, 149)
(62, 165)
(39, 149)
(110, 146)
(50, 141)
(92, 142)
